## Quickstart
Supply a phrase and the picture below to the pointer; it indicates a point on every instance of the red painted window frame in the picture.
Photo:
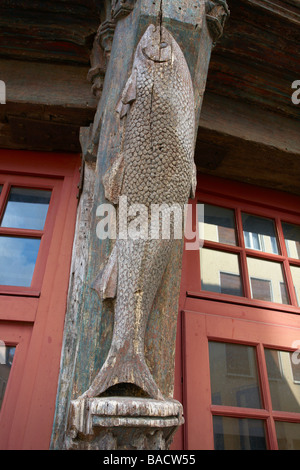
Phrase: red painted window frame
(28, 181)
(198, 330)
(32, 319)
(231, 195)
(206, 315)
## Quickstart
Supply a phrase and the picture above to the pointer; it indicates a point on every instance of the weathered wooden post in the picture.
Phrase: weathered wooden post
(117, 375)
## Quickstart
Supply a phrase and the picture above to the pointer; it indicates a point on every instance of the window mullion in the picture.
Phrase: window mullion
(3, 198)
(266, 396)
(243, 257)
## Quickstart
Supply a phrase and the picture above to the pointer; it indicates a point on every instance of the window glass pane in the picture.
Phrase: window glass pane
(283, 373)
(296, 281)
(259, 233)
(234, 378)
(17, 256)
(292, 239)
(6, 358)
(1, 188)
(239, 434)
(267, 281)
(219, 225)
(220, 272)
(288, 435)
(26, 208)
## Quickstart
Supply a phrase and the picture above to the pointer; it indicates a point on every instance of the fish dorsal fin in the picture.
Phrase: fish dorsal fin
(113, 179)
(194, 181)
(105, 283)
(128, 95)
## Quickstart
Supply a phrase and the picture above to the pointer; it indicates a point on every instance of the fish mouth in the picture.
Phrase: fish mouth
(158, 45)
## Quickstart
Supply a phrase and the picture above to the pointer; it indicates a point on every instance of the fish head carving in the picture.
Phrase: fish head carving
(156, 44)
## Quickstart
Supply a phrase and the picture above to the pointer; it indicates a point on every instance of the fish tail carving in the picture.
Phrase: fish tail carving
(124, 368)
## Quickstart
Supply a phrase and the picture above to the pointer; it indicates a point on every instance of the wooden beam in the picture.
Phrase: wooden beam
(249, 122)
(45, 105)
(84, 354)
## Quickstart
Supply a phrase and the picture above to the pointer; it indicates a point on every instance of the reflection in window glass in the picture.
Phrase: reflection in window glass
(219, 225)
(18, 256)
(267, 281)
(26, 208)
(259, 233)
(288, 435)
(292, 239)
(234, 378)
(283, 375)
(239, 434)
(6, 359)
(295, 270)
(220, 272)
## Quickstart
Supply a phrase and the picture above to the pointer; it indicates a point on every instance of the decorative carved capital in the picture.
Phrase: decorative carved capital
(97, 71)
(103, 43)
(105, 35)
(217, 13)
(121, 8)
(122, 423)
(100, 55)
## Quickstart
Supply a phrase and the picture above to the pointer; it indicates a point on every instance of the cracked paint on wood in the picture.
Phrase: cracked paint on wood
(95, 318)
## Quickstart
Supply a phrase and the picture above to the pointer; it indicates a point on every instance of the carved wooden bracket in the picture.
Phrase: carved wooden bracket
(217, 13)
(98, 66)
(99, 59)
(122, 423)
(105, 36)
(122, 8)
(103, 42)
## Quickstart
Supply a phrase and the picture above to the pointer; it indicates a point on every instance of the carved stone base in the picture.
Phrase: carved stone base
(122, 423)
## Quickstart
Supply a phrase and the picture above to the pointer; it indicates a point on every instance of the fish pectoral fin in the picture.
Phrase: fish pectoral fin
(128, 96)
(194, 181)
(113, 179)
(105, 283)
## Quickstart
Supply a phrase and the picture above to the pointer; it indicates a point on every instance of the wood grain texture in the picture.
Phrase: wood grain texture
(96, 320)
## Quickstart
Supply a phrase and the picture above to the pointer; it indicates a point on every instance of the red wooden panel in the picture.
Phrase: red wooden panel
(211, 316)
(198, 429)
(33, 385)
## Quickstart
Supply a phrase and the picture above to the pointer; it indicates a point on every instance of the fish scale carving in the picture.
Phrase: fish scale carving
(155, 166)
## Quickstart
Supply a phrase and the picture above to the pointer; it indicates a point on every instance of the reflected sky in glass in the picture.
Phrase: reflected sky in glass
(17, 260)
(26, 208)
(6, 359)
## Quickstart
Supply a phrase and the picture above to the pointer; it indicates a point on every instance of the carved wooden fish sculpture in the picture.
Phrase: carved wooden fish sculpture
(156, 166)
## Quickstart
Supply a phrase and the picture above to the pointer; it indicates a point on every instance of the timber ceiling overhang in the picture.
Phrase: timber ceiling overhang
(45, 51)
